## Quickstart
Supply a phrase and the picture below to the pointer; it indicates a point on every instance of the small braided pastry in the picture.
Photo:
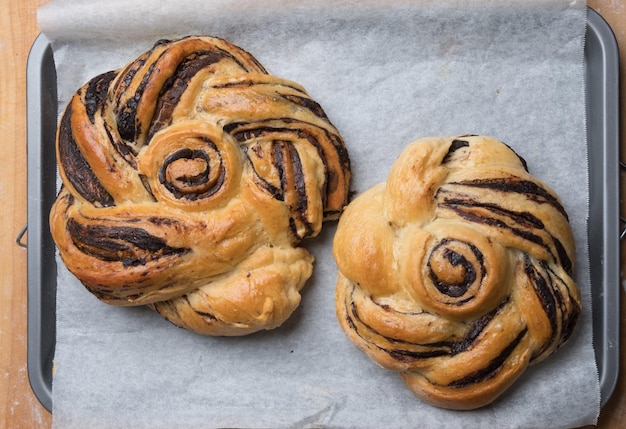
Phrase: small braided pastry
(190, 177)
(457, 272)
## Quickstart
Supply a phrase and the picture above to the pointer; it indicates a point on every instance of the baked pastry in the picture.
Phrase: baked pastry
(190, 177)
(457, 272)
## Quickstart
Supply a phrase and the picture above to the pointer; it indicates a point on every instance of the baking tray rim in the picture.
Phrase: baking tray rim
(602, 127)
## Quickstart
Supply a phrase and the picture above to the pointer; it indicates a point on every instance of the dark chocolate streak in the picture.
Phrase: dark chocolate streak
(127, 118)
(521, 159)
(353, 319)
(192, 181)
(545, 285)
(566, 262)
(128, 126)
(457, 206)
(278, 155)
(126, 115)
(257, 65)
(274, 191)
(161, 42)
(530, 190)
(197, 179)
(571, 320)
(410, 355)
(252, 82)
(96, 93)
(454, 146)
(344, 159)
(131, 246)
(302, 203)
(545, 291)
(449, 348)
(441, 348)
(209, 316)
(462, 207)
(128, 74)
(332, 176)
(287, 162)
(175, 86)
(279, 163)
(525, 219)
(571, 316)
(146, 184)
(94, 99)
(455, 259)
(308, 104)
(459, 289)
(260, 130)
(493, 368)
(298, 175)
(119, 145)
(77, 169)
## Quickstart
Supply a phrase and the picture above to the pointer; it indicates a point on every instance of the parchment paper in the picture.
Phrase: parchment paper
(386, 73)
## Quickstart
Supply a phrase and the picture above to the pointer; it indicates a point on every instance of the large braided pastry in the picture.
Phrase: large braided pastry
(457, 272)
(190, 177)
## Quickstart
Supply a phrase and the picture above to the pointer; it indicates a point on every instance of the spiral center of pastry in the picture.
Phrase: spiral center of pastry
(191, 165)
(191, 174)
(452, 267)
(451, 271)
(453, 276)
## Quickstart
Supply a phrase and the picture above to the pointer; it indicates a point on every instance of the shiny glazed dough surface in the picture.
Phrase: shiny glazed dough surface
(457, 271)
(190, 177)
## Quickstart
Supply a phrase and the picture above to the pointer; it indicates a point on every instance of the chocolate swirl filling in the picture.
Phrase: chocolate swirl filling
(522, 224)
(129, 245)
(492, 368)
(549, 287)
(464, 260)
(76, 167)
(160, 199)
(454, 146)
(407, 352)
(463, 276)
(175, 86)
(166, 83)
(193, 174)
(529, 189)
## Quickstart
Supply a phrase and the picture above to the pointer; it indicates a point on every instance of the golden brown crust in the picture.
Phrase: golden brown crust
(457, 272)
(187, 166)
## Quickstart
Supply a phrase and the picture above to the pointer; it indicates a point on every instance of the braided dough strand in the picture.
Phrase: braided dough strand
(457, 271)
(190, 177)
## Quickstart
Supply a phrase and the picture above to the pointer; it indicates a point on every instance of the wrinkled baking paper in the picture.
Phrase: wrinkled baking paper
(386, 73)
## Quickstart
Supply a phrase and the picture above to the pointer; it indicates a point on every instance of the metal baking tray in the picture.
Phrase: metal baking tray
(601, 91)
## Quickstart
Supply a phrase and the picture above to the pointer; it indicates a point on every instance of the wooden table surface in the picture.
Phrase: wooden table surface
(19, 408)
